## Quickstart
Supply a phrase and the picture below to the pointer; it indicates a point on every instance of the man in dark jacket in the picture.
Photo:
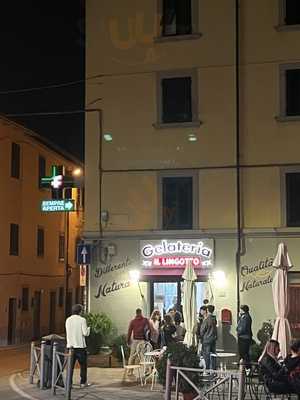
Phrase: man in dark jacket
(208, 335)
(244, 334)
(136, 334)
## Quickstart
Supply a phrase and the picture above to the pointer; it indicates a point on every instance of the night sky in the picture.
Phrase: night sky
(42, 43)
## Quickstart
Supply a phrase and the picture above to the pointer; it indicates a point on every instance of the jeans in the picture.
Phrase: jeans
(207, 349)
(244, 349)
(80, 355)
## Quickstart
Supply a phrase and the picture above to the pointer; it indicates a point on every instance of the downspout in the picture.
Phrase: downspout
(238, 183)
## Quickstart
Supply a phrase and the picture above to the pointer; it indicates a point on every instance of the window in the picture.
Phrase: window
(176, 17)
(14, 240)
(61, 296)
(40, 242)
(294, 310)
(15, 161)
(42, 170)
(61, 247)
(25, 299)
(292, 184)
(177, 202)
(290, 91)
(177, 99)
(291, 12)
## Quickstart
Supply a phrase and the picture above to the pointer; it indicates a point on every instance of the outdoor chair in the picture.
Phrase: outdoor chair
(131, 368)
(147, 363)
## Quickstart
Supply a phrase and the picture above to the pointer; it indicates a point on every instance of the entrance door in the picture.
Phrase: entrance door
(294, 312)
(36, 315)
(52, 312)
(12, 318)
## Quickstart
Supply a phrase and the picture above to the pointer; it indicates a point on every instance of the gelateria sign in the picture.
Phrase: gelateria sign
(258, 275)
(170, 257)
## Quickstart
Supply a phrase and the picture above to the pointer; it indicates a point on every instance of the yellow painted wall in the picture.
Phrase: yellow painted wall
(20, 203)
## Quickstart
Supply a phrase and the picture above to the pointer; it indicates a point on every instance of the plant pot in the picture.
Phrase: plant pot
(189, 396)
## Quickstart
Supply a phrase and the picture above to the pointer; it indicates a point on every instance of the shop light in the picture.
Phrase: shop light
(108, 137)
(192, 137)
(219, 278)
(134, 276)
(77, 172)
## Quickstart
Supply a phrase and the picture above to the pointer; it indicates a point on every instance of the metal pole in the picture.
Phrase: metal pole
(168, 380)
(230, 388)
(32, 363)
(66, 263)
(241, 392)
(54, 369)
(42, 364)
(69, 374)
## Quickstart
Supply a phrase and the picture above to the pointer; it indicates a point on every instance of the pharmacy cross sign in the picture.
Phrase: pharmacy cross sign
(57, 180)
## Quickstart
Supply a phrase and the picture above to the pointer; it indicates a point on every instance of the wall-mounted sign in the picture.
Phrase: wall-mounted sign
(57, 180)
(161, 257)
(66, 205)
(258, 275)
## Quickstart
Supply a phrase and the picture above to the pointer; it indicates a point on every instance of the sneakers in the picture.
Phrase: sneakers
(85, 385)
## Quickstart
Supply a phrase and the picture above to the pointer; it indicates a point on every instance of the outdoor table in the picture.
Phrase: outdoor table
(153, 356)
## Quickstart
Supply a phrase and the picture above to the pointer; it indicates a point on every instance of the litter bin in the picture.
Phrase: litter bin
(61, 345)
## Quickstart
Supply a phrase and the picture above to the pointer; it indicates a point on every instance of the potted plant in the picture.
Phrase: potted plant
(117, 342)
(181, 356)
(101, 327)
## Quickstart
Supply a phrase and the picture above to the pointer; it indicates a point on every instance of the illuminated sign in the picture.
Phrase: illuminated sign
(176, 254)
(66, 205)
(55, 180)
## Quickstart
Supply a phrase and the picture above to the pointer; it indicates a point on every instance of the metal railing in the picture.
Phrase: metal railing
(220, 379)
(61, 372)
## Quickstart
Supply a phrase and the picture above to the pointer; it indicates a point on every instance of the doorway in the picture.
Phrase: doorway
(12, 318)
(294, 310)
(37, 315)
(168, 294)
(52, 312)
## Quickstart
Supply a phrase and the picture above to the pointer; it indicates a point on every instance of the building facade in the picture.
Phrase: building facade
(197, 148)
(35, 246)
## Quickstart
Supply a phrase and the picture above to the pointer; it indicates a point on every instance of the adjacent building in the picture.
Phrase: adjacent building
(35, 246)
(195, 155)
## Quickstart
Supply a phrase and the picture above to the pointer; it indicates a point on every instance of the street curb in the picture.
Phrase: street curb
(18, 390)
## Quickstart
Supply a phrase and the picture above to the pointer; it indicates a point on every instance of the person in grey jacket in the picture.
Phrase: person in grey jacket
(208, 335)
(244, 334)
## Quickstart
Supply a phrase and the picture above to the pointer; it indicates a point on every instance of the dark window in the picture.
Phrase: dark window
(42, 169)
(14, 240)
(177, 99)
(293, 199)
(293, 92)
(61, 247)
(292, 12)
(15, 160)
(177, 17)
(40, 242)
(25, 299)
(68, 193)
(61, 296)
(178, 203)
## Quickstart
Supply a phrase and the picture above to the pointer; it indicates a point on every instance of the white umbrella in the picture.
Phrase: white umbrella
(282, 331)
(189, 304)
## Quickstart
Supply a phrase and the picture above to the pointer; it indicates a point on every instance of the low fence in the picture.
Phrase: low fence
(56, 370)
(217, 379)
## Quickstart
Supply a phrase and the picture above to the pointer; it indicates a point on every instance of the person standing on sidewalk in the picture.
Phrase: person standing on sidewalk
(77, 330)
(208, 335)
(244, 334)
(136, 334)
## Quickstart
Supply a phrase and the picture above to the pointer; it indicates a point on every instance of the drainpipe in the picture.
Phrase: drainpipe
(238, 183)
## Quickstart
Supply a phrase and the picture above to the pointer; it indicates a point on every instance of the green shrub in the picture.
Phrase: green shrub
(101, 328)
(180, 356)
(117, 342)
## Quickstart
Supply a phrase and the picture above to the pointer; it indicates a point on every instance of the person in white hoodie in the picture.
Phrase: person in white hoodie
(77, 330)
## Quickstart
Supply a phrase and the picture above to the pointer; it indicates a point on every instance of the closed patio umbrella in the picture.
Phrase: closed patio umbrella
(189, 304)
(282, 331)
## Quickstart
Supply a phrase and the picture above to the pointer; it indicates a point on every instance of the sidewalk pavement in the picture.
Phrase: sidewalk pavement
(106, 385)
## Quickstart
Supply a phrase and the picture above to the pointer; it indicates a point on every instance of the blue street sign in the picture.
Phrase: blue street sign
(83, 256)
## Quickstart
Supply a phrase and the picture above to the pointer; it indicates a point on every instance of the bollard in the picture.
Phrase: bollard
(54, 369)
(241, 392)
(42, 364)
(32, 363)
(69, 374)
(168, 380)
